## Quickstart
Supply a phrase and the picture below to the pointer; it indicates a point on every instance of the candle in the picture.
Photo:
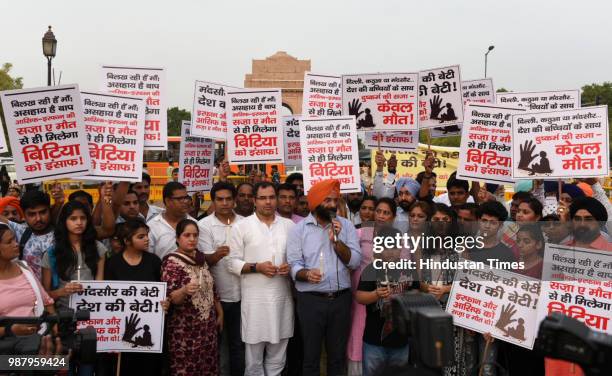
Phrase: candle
(201, 277)
(79, 273)
(321, 264)
(227, 231)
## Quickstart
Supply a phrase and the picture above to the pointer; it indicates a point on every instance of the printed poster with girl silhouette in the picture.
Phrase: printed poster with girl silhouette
(498, 302)
(561, 144)
(381, 101)
(441, 99)
(127, 316)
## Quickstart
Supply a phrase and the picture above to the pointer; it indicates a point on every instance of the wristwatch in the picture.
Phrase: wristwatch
(254, 267)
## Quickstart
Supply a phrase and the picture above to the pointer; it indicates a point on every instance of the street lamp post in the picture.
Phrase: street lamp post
(49, 44)
(486, 54)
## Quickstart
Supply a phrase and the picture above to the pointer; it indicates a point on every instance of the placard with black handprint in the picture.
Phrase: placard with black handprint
(441, 98)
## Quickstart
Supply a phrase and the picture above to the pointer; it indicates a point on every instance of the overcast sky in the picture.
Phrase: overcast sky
(539, 45)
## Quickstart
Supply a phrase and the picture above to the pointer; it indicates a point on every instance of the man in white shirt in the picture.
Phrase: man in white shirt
(258, 255)
(162, 228)
(214, 236)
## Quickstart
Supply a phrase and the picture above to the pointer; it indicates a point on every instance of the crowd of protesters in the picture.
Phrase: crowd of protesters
(268, 279)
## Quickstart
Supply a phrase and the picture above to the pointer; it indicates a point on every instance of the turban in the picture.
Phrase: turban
(319, 192)
(412, 185)
(596, 208)
(11, 201)
(571, 189)
(588, 191)
(523, 186)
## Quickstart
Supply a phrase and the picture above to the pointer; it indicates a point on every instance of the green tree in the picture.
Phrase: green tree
(502, 90)
(8, 83)
(599, 94)
(175, 117)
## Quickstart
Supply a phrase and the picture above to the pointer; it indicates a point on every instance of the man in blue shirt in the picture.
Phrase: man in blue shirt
(321, 250)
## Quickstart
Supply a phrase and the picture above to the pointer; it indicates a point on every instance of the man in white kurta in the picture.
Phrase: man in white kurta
(258, 255)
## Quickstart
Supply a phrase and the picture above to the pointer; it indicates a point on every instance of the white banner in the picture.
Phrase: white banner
(196, 161)
(392, 141)
(577, 282)
(293, 150)
(322, 95)
(115, 132)
(47, 132)
(440, 97)
(561, 144)
(381, 101)
(496, 301)
(329, 151)
(146, 83)
(541, 101)
(208, 118)
(486, 144)
(128, 316)
(254, 127)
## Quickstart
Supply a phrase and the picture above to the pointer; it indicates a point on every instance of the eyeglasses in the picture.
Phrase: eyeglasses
(181, 198)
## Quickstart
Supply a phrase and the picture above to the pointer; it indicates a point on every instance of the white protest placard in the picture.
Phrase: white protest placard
(496, 301)
(561, 144)
(440, 98)
(146, 83)
(541, 101)
(322, 95)
(208, 118)
(474, 91)
(392, 141)
(329, 151)
(127, 315)
(381, 101)
(486, 144)
(115, 133)
(196, 161)
(293, 150)
(47, 132)
(577, 282)
(254, 127)
(3, 145)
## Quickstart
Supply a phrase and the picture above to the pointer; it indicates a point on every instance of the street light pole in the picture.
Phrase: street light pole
(486, 55)
(49, 44)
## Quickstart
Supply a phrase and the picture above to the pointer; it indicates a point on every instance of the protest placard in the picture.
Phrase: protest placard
(196, 161)
(577, 282)
(47, 133)
(561, 144)
(496, 301)
(293, 150)
(146, 83)
(3, 145)
(329, 151)
(541, 101)
(410, 163)
(115, 133)
(486, 144)
(128, 316)
(208, 118)
(441, 98)
(322, 95)
(474, 91)
(381, 101)
(392, 141)
(255, 131)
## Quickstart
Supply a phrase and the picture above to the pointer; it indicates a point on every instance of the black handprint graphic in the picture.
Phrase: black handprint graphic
(436, 106)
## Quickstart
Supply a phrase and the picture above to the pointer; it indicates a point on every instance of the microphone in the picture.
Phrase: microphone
(332, 215)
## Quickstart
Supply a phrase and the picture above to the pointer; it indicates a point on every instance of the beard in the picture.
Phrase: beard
(585, 234)
(405, 205)
(325, 213)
